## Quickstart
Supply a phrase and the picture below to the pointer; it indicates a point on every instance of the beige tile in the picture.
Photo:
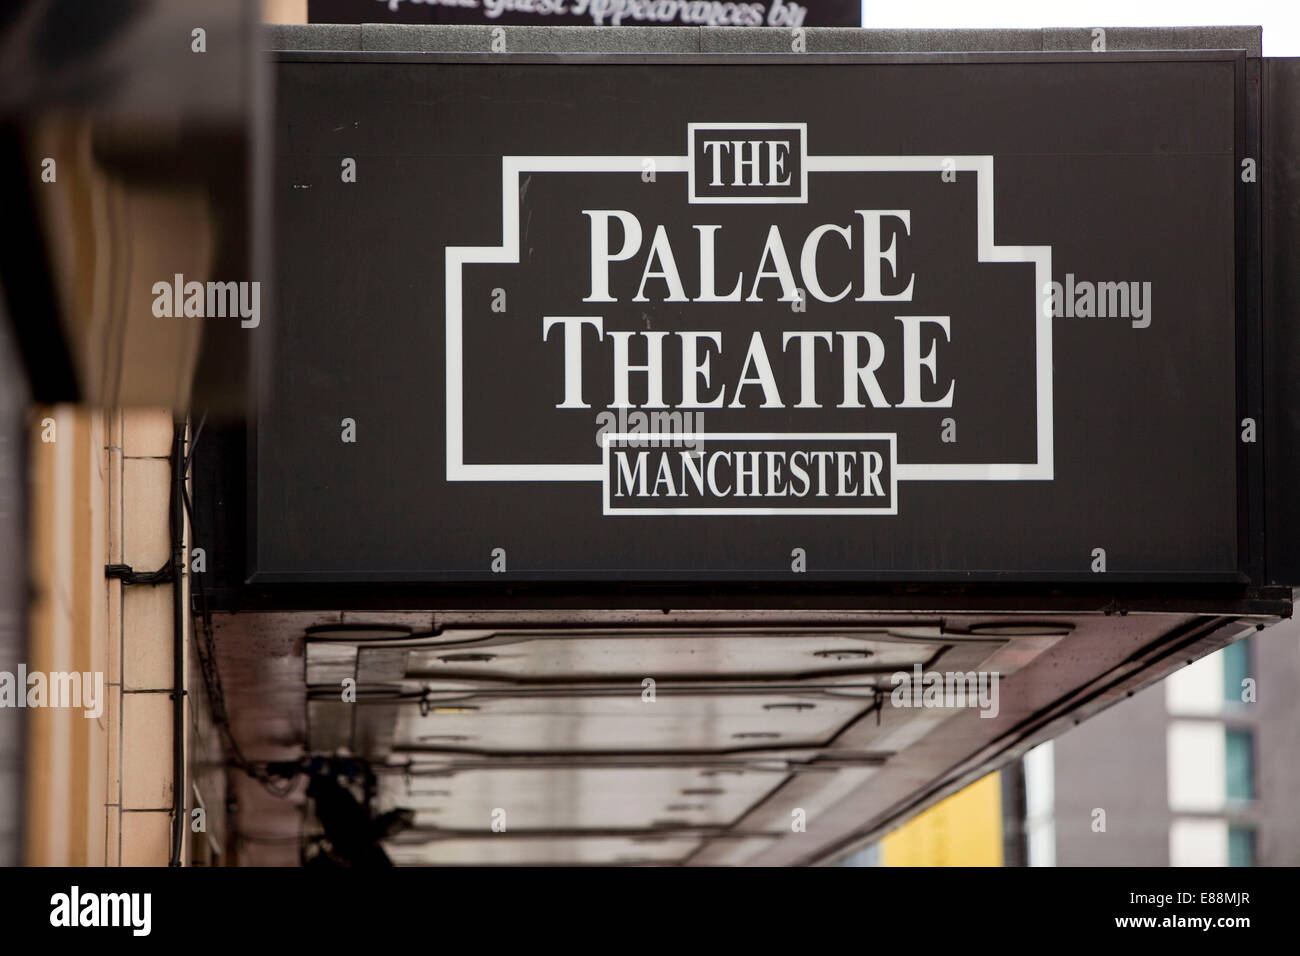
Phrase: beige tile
(147, 637)
(112, 852)
(146, 751)
(146, 432)
(114, 731)
(92, 603)
(114, 629)
(114, 483)
(99, 445)
(96, 823)
(146, 493)
(146, 839)
(114, 427)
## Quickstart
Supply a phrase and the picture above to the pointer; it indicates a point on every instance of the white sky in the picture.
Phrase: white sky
(1279, 18)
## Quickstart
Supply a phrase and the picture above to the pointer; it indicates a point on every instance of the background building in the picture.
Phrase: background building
(1198, 770)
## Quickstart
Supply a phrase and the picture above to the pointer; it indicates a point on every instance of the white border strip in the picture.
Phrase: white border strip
(508, 253)
(762, 200)
(670, 438)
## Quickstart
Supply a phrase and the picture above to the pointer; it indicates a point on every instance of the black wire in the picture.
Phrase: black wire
(277, 785)
(194, 441)
(280, 787)
(129, 575)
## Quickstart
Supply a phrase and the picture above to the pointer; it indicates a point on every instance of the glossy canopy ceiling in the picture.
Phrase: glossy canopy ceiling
(686, 742)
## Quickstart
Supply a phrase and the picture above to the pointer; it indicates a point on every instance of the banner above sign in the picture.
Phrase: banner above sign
(609, 321)
(587, 13)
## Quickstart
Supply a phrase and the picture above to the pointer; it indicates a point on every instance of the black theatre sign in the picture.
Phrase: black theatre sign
(853, 319)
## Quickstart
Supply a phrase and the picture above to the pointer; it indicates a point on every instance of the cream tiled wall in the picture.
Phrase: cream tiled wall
(100, 791)
(145, 782)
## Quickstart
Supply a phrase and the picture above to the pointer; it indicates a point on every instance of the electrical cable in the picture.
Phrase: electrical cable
(276, 786)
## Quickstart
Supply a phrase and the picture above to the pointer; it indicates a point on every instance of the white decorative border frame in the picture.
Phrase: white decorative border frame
(508, 253)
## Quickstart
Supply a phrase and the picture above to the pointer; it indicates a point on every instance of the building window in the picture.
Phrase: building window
(1236, 668)
(1239, 764)
(1241, 846)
